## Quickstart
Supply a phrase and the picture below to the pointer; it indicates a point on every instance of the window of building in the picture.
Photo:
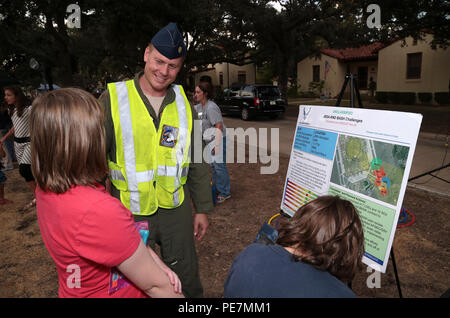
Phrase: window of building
(242, 77)
(221, 78)
(316, 73)
(413, 65)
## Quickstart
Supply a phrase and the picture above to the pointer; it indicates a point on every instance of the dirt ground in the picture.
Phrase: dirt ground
(421, 250)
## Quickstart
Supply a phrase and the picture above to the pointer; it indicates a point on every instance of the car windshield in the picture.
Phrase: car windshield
(268, 91)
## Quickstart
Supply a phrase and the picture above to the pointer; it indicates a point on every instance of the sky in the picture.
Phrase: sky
(276, 5)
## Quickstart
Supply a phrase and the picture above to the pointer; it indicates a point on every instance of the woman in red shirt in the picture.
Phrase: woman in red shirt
(86, 231)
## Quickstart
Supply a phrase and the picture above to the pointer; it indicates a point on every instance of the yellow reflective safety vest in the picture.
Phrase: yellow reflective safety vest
(151, 165)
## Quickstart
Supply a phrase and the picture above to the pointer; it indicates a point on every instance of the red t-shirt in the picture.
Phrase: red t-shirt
(87, 231)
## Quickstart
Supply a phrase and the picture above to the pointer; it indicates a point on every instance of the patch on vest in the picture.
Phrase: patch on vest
(169, 136)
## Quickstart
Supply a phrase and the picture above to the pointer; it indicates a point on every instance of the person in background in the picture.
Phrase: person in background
(85, 229)
(20, 113)
(150, 136)
(8, 146)
(3, 179)
(214, 134)
(317, 252)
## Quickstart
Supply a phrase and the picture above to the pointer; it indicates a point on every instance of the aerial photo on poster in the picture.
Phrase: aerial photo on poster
(372, 168)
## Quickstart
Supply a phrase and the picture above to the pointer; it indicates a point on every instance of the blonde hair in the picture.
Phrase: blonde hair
(67, 140)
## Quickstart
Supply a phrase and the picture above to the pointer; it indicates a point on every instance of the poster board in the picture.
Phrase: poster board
(363, 156)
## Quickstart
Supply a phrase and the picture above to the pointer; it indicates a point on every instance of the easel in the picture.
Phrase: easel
(431, 173)
(352, 78)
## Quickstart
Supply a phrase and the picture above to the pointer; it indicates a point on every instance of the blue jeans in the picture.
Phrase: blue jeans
(221, 178)
(9, 145)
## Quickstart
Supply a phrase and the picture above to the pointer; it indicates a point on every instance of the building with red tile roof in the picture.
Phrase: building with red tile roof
(398, 66)
(362, 53)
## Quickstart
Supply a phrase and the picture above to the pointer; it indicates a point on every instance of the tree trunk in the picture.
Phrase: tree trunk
(282, 70)
(65, 64)
(283, 85)
(48, 77)
(64, 59)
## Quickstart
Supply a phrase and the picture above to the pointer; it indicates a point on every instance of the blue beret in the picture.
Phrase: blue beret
(169, 42)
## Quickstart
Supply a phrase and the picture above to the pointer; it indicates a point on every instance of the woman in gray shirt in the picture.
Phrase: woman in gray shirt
(214, 134)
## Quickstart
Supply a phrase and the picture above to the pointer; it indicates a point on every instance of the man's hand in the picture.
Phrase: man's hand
(201, 224)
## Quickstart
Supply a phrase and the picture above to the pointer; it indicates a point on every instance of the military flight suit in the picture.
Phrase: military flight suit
(171, 229)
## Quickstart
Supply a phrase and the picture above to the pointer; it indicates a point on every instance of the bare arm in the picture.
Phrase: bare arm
(219, 135)
(6, 136)
(145, 273)
(174, 280)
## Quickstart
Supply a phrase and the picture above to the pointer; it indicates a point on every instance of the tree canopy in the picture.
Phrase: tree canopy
(110, 43)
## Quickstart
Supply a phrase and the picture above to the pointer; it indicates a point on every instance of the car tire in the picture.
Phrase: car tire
(245, 114)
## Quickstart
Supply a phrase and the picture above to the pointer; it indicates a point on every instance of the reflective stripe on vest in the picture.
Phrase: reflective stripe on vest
(169, 171)
(182, 117)
(141, 176)
(128, 145)
(146, 176)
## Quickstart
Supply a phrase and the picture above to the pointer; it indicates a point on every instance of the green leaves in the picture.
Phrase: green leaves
(114, 34)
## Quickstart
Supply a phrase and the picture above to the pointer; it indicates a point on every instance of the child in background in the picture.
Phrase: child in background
(2, 180)
(20, 110)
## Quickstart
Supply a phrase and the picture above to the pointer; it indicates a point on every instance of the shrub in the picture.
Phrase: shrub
(292, 92)
(307, 95)
(316, 87)
(381, 97)
(425, 97)
(407, 98)
(442, 98)
(394, 97)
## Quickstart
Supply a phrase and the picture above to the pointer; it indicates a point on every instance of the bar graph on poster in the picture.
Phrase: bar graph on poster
(361, 155)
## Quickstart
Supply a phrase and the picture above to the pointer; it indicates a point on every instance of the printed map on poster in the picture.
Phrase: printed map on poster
(363, 156)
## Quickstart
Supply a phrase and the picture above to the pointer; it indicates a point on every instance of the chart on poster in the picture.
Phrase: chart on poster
(361, 155)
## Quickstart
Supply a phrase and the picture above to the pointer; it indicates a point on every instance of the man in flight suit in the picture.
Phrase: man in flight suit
(149, 128)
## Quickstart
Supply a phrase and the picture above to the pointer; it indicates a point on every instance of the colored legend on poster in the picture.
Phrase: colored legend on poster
(296, 196)
(316, 142)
